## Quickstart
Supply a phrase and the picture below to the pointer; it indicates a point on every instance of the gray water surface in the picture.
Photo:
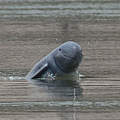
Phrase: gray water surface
(30, 29)
(38, 8)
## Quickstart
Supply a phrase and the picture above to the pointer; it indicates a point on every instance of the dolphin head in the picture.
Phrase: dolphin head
(68, 56)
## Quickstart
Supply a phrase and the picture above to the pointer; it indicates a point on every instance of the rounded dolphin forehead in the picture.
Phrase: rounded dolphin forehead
(70, 48)
(70, 44)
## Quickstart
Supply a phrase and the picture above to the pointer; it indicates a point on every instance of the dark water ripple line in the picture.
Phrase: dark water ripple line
(61, 11)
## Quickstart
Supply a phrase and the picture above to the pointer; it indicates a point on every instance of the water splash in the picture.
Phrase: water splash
(11, 78)
(66, 79)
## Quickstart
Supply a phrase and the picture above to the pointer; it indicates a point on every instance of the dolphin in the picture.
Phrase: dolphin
(64, 59)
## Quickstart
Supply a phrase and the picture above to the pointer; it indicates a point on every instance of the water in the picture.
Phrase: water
(30, 29)
(17, 9)
(57, 100)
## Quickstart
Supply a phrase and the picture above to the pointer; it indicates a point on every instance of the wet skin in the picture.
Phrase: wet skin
(62, 60)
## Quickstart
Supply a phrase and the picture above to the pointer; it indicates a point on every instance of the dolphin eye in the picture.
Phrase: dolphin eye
(59, 49)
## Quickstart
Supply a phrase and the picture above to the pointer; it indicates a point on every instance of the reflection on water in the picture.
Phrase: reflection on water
(65, 91)
(62, 86)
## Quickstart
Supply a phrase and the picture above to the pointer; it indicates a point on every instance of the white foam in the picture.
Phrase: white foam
(11, 78)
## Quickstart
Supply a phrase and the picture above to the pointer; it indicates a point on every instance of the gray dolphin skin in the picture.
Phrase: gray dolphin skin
(62, 60)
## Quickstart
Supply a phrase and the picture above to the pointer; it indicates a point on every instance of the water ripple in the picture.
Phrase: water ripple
(51, 9)
(65, 104)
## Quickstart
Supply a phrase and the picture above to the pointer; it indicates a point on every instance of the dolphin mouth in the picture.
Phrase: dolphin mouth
(68, 57)
(73, 54)
(72, 57)
(66, 63)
